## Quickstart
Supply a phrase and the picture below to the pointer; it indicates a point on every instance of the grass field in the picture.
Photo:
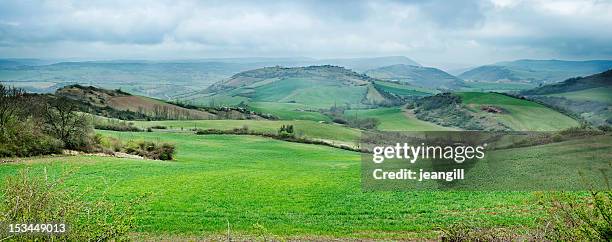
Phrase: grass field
(290, 111)
(310, 129)
(519, 114)
(599, 94)
(403, 90)
(276, 189)
(394, 119)
(496, 86)
(309, 92)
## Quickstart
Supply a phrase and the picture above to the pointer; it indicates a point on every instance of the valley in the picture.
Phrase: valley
(239, 172)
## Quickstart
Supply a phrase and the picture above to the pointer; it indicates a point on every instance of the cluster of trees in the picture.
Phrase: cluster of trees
(337, 115)
(166, 112)
(32, 124)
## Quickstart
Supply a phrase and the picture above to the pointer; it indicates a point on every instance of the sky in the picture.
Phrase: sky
(447, 34)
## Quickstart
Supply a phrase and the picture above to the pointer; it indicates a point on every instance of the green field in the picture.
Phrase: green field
(394, 119)
(310, 129)
(403, 90)
(519, 114)
(290, 111)
(481, 86)
(308, 92)
(264, 187)
(599, 94)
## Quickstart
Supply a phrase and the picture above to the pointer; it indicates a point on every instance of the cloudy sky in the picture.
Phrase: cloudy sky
(448, 34)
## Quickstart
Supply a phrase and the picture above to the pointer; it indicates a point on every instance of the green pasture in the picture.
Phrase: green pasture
(264, 188)
(519, 114)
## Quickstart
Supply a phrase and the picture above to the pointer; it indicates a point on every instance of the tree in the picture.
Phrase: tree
(11, 100)
(63, 121)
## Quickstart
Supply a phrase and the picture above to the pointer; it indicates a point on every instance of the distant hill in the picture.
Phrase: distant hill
(535, 71)
(587, 97)
(426, 77)
(167, 80)
(116, 103)
(312, 86)
(364, 64)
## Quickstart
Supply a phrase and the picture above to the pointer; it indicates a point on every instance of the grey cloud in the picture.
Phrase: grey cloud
(431, 31)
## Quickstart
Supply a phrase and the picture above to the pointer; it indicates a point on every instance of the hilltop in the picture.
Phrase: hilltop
(426, 77)
(535, 71)
(364, 64)
(585, 97)
(312, 87)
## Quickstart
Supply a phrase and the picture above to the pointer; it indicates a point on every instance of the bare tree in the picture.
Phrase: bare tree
(64, 122)
(11, 100)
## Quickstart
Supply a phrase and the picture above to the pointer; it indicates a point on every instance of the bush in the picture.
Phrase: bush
(572, 216)
(109, 144)
(25, 139)
(363, 123)
(340, 121)
(158, 127)
(286, 131)
(151, 150)
(30, 198)
(605, 128)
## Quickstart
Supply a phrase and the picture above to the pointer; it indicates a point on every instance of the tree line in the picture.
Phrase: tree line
(37, 124)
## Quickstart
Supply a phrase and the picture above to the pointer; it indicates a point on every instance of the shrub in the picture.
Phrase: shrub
(340, 121)
(605, 128)
(363, 123)
(30, 198)
(572, 216)
(158, 127)
(151, 150)
(25, 139)
(109, 143)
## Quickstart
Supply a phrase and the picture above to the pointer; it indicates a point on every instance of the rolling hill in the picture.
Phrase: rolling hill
(425, 77)
(489, 111)
(364, 64)
(311, 87)
(587, 97)
(535, 71)
(516, 114)
(103, 102)
(167, 80)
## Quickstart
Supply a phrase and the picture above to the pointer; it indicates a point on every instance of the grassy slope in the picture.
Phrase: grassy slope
(403, 90)
(599, 94)
(393, 119)
(310, 92)
(521, 114)
(496, 86)
(286, 188)
(290, 111)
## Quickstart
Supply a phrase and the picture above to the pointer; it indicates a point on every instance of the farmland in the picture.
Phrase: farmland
(252, 184)
(519, 114)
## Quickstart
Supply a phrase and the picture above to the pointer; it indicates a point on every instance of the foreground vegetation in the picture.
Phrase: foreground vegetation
(252, 184)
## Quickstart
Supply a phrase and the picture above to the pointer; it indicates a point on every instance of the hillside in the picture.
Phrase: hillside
(587, 97)
(489, 111)
(535, 71)
(425, 77)
(167, 80)
(311, 87)
(100, 100)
